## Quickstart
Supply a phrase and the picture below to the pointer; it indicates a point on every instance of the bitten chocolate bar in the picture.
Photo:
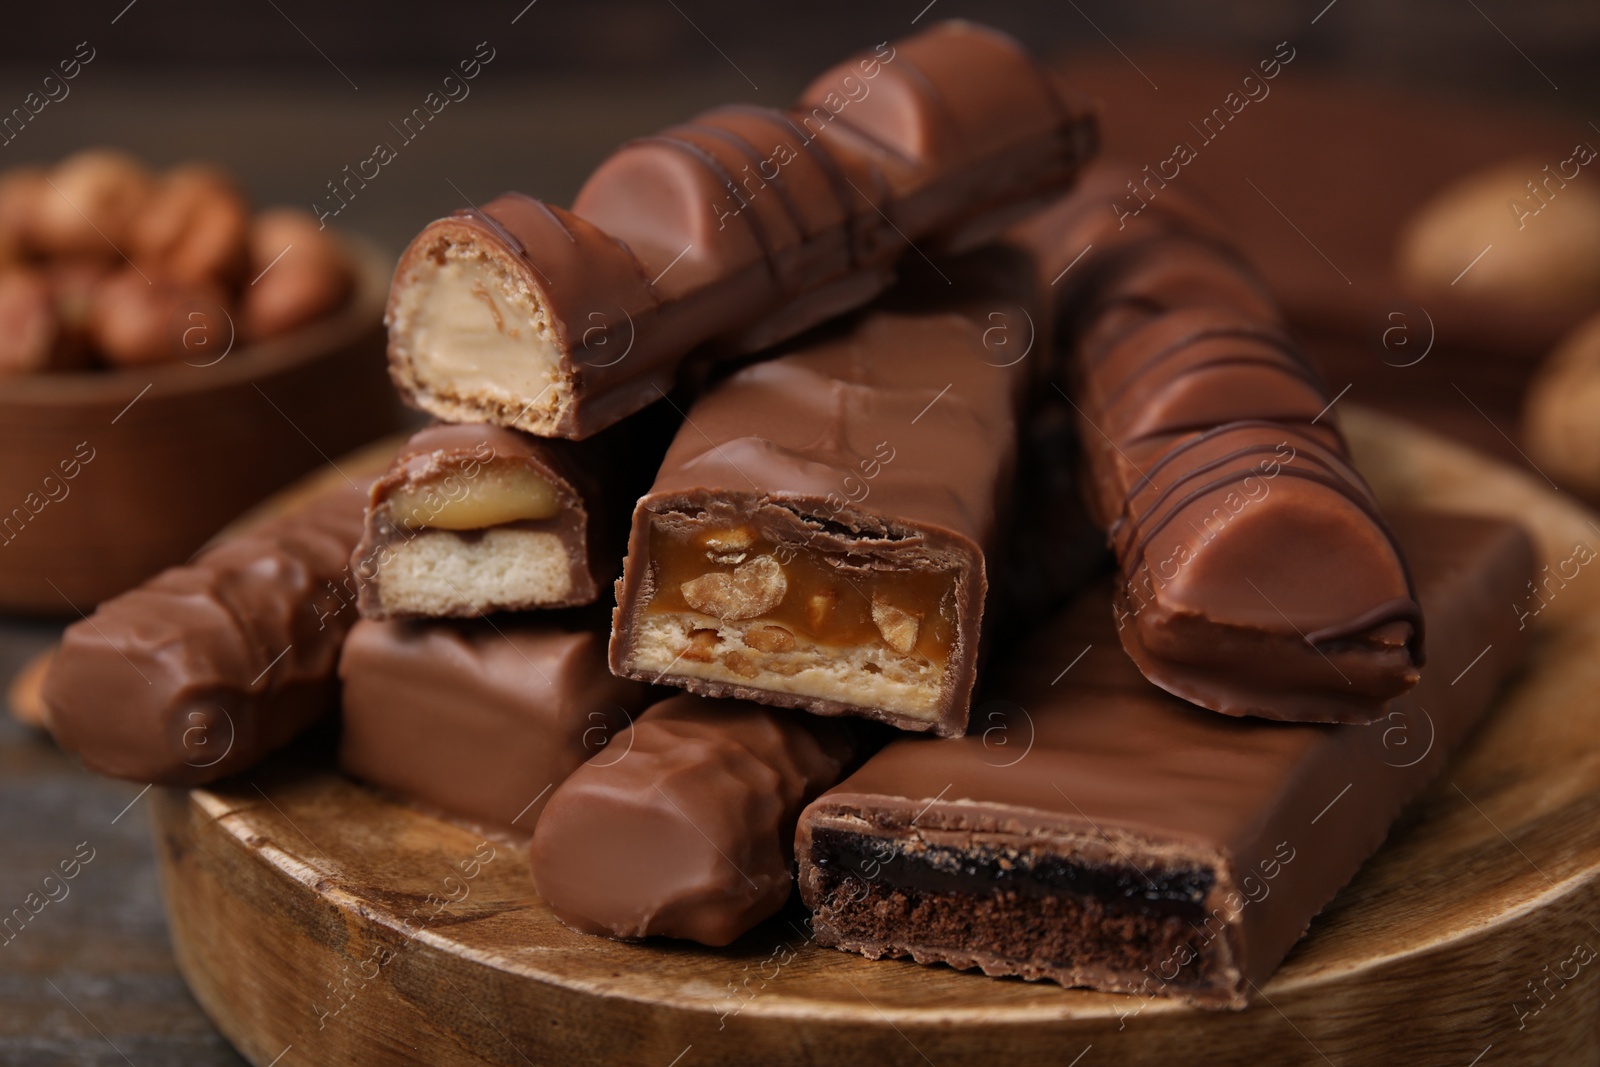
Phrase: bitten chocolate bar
(816, 536)
(683, 827)
(472, 519)
(1258, 576)
(735, 231)
(208, 667)
(1124, 840)
(477, 721)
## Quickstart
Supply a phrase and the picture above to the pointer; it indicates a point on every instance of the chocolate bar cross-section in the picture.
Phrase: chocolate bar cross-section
(1124, 840)
(816, 536)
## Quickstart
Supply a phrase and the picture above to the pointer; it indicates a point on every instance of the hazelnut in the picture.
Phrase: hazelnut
(298, 273)
(21, 192)
(770, 638)
(1563, 435)
(93, 198)
(194, 229)
(753, 588)
(740, 664)
(28, 326)
(898, 626)
(72, 285)
(1546, 248)
(135, 321)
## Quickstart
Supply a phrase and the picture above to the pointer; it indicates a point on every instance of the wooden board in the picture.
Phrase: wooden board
(314, 918)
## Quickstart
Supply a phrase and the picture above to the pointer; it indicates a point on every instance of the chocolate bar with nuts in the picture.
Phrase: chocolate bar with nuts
(472, 519)
(479, 721)
(1258, 577)
(816, 537)
(208, 667)
(733, 232)
(683, 826)
(1103, 833)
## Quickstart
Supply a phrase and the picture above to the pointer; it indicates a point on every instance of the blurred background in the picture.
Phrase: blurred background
(289, 91)
(1378, 108)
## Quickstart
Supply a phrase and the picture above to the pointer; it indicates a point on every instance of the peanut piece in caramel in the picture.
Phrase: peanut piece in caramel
(753, 588)
(898, 626)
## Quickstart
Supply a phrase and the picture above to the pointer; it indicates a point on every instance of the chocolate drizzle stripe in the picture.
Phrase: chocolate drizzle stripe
(752, 221)
(753, 158)
(1214, 363)
(1124, 520)
(553, 217)
(510, 239)
(1301, 426)
(1400, 609)
(1220, 430)
(1137, 559)
(853, 218)
(1293, 356)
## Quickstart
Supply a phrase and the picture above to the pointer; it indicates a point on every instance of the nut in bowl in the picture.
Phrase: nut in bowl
(167, 358)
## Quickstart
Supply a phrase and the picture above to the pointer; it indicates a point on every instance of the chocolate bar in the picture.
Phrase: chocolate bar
(683, 827)
(816, 535)
(1258, 576)
(479, 720)
(1125, 840)
(208, 667)
(735, 231)
(472, 519)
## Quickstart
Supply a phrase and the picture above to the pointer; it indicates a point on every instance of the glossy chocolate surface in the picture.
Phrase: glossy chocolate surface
(478, 720)
(682, 827)
(1258, 576)
(748, 225)
(1101, 832)
(208, 667)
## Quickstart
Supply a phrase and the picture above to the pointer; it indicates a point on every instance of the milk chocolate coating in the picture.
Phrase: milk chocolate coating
(1103, 833)
(748, 225)
(475, 720)
(1258, 576)
(208, 667)
(683, 826)
(785, 446)
(596, 483)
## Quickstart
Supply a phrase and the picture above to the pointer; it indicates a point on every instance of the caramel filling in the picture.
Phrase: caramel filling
(493, 496)
(731, 605)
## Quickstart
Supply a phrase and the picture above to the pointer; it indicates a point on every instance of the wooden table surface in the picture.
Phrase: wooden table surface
(90, 978)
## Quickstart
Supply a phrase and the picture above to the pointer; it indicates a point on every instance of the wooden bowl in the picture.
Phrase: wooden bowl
(161, 457)
(317, 921)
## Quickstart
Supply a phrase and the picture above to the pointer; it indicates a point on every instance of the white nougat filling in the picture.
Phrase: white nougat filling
(468, 329)
(439, 572)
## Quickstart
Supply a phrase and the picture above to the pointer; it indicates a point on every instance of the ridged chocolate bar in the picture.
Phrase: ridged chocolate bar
(1103, 833)
(734, 231)
(208, 667)
(1258, 576)
(683, 826)
(478, 720)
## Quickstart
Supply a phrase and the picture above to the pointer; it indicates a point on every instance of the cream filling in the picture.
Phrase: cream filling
(872, 676)
(474, 333)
